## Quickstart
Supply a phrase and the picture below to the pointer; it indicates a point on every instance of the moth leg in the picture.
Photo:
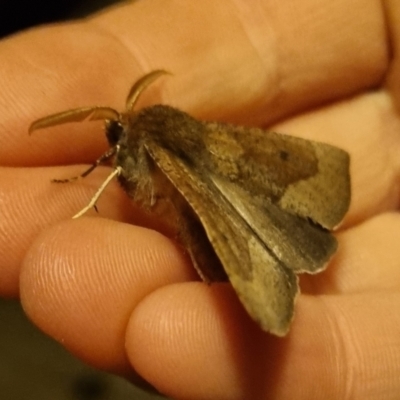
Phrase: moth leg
(103, 158)
(117, 171)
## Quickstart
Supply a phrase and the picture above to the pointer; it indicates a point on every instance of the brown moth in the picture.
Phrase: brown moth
(250, 206)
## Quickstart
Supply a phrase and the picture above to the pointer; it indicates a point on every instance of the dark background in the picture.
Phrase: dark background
(16, 15)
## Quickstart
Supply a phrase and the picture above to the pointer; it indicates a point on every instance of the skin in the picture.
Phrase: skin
(124, 297)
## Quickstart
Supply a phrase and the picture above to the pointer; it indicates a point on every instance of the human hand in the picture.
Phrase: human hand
(123, 297)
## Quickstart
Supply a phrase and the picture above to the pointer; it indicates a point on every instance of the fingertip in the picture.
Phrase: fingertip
(81, 280)
(192, 340)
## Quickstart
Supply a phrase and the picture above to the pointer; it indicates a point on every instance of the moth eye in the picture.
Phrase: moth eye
(114, 131)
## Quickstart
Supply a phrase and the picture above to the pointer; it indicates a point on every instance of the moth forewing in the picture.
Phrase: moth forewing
(324, 197)
(297, 243)
(264, 285)
(304, 177)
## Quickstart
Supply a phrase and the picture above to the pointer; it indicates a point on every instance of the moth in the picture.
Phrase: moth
(250, 206)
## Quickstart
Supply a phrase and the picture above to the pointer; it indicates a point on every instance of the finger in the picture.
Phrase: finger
(249, 39)
(236, 69)
(82, 295)
(206, 347)
(34, 203)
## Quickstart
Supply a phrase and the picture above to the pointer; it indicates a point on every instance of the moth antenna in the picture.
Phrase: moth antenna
(140, 85)
(75, 115)
(100, 190)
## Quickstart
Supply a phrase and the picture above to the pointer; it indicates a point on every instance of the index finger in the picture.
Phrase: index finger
(232, 60)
